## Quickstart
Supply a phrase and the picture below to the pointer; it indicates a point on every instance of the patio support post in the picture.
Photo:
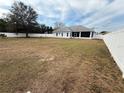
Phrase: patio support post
(70, 34)
(79, 34)
(91, 34)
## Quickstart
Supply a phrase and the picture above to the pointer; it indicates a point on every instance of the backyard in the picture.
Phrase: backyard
(51, 65)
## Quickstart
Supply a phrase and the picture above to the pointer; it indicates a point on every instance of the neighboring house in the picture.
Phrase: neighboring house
(74, 32)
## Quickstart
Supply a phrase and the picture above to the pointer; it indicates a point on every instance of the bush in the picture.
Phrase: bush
(3, 35)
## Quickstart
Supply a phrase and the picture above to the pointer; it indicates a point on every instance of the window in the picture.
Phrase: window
(62, 34)
(56, 34)
(85, 34)
(67, 34)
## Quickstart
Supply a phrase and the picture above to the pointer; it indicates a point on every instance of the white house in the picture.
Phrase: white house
(74, 32)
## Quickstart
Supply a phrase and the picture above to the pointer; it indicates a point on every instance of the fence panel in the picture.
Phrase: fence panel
(115, 44)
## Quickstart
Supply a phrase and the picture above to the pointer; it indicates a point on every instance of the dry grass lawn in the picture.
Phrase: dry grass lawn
(57, 66)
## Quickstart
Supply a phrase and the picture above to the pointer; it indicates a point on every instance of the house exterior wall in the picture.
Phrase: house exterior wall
(115, 44)
(62, 34)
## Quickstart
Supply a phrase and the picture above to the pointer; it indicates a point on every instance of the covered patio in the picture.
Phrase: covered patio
(87, 34)
(74, 32)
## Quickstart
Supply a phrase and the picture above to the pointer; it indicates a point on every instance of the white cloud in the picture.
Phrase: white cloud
(6, 2)
(106, 14)
(92, 12)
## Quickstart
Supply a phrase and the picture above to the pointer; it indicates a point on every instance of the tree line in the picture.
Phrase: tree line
(23, 19)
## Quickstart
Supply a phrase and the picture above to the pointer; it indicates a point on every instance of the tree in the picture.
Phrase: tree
(3, 25)
(43, 28)
(23, 16)
(58, 25)
(104, 32)
(50, 30)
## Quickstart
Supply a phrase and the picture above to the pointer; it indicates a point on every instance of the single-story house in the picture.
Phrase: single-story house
(74, 32)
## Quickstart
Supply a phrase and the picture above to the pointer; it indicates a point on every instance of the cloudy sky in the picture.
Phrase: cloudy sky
(99, 14)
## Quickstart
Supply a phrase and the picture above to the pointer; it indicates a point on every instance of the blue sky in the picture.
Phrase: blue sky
(99, 14)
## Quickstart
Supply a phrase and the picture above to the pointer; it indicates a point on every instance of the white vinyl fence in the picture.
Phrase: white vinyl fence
(115, 44)
(24, 35)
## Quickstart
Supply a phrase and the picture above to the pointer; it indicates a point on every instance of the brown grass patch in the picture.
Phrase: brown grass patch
(57, 66)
